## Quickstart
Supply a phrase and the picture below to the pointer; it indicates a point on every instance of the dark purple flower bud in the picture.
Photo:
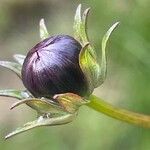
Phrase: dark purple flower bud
(52, 67)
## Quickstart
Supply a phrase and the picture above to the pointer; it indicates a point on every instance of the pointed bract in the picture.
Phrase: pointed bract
(43, 121)
(19, 58)
(42, 106)
(89, 66)
(19, 94)
(15, 67)
(80, 25)
(88, 58)
(43, 30)
(103, 63)
(77, 23)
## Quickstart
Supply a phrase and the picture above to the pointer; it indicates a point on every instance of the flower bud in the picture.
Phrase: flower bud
(52, 67)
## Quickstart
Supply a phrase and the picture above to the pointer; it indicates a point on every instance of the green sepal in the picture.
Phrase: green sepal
(80, 28)
(15, 67)
(87, 58)
(69, 101)
(89, 66)
(103, 63)
(94, 70)
(43, 30)
(50, 113)
(19, 94)
(80, 22)
(77, 23)
(43, 121)
(19, 58)
(42, 106)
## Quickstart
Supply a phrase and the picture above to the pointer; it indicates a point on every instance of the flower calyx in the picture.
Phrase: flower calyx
(93, 67)
(87, 73)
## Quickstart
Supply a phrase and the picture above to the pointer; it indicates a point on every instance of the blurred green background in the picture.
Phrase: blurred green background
(127, 84)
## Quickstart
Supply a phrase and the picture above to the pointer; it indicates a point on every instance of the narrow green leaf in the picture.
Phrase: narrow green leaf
(15, 67)
(78, 13)
(85, 16)
(83, 31)
(89, 66)
(19, 58)
(77, 23)
(107, 35)
(43, 30)
(103, 65)
(19, 94)
(43, 121)
(87, 56)
(42, 106)
(80, 25)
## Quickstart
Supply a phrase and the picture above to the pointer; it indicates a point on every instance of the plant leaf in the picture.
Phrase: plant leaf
(77, 23)
(83, 26)
(19, 58)
(87, 58)
(89, 66)
(19, 94)
(43, 121)
(42, 106)
(103, 65)
(15, 67)
(80, 25)
(43, 30)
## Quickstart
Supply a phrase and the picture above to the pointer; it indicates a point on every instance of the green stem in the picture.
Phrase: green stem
(118, 113)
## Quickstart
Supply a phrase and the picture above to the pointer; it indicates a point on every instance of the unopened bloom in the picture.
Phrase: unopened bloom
(52, 67)
(59, 74)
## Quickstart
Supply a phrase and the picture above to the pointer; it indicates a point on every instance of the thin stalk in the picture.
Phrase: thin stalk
(118, 113)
